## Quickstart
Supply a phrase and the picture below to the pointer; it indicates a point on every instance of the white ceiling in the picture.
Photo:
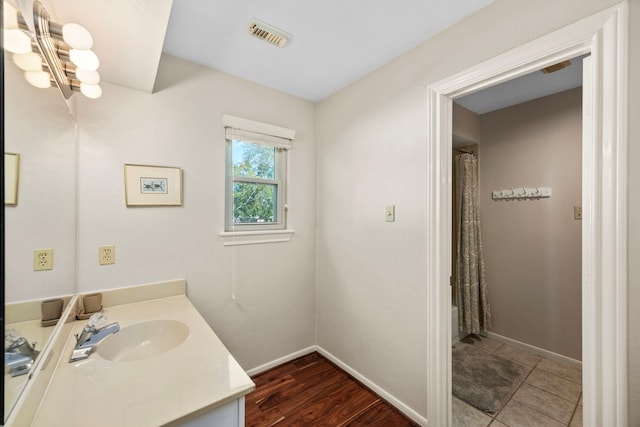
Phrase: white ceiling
(335, 42)
(525, 88)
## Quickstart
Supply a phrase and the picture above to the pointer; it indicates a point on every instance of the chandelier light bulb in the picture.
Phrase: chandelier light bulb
(91, 91)
(77, 36)
(10, 16)
(39, 79)
(16, 41)
(85, 59)
(88, 77)
(28, 61)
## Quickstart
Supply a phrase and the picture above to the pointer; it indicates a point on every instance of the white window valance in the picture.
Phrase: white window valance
(238, 128)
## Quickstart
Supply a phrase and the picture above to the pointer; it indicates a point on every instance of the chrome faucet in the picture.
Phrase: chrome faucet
(19, 356)
(87, 341)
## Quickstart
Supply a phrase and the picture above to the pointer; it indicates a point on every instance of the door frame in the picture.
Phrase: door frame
(604, 199)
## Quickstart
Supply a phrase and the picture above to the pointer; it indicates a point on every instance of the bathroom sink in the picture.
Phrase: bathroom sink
(143, 340)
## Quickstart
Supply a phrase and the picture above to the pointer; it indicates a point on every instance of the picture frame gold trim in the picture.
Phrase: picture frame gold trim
(11, 178)
(147, 185)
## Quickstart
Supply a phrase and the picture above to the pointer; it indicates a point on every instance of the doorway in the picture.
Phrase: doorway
(604, 227)
(526, 366)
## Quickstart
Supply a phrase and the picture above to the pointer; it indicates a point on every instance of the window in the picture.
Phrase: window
(255, 188)
(256, 171)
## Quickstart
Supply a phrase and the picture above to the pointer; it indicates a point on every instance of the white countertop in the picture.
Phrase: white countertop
(193, 378)
(33, 331)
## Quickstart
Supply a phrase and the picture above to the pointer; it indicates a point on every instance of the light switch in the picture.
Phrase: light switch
(577, 212)
(390, 213)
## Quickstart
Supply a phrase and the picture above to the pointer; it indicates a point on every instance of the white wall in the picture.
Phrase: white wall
(181, 125)
(533, 248)
(371, 281)
(38, 126)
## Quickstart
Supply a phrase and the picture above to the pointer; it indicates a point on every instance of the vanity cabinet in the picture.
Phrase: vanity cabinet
(135, 382)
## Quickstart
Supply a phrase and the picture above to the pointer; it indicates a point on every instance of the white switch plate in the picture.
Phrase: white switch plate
(107, 255)
(390, 213)
(42, 259)
(577, 212)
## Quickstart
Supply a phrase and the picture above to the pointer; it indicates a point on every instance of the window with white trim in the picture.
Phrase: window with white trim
(256, 173)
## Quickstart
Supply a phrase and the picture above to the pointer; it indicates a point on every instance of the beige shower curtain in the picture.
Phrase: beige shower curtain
(474, 313)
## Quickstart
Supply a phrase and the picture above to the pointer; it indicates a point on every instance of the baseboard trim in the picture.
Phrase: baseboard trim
(400, 406)
(533, 349)
(407, 411)
(282, 360)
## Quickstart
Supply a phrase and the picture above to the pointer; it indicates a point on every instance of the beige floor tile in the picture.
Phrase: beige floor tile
(518, 415)
(555, 384)
(465, 415)
(576, 421)
(544, 402)
(521, 356)
(566, 371)
(497, 423)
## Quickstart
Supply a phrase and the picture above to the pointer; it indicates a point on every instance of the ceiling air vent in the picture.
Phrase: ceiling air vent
(556, 67)
(268, 33)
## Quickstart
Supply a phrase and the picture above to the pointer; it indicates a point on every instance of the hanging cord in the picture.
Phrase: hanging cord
(233, 266)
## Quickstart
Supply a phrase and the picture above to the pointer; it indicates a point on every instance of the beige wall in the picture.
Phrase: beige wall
(533, 248)
(39, 127)
(466, 126)
(181, 125)
(371, 152)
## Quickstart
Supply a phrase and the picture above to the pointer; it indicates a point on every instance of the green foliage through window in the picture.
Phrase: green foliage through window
(254, 187)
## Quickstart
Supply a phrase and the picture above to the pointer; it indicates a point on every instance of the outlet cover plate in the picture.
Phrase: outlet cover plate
(107, 255)
(42, 259)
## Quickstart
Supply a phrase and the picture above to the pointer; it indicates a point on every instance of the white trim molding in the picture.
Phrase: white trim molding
(533, 349)
(281, 360)
(604, 227)
(234, 238)
(400, 406)
(229, 121)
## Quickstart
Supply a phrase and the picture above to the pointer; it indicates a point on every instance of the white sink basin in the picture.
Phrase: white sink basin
(143, 340)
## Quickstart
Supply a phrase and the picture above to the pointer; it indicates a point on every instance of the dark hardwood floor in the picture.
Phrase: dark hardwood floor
(312, 391)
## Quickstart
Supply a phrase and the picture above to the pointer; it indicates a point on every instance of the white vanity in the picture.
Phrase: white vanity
(164, 367)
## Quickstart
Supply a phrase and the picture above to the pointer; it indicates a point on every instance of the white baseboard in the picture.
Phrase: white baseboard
(407, 411)
(281, 361)
(533, 349)
(375, 388)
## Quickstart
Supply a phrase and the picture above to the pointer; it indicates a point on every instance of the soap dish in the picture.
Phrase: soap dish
(84, 316)
(50, 322)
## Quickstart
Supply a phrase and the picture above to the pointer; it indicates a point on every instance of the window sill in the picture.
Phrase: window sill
(233, 238)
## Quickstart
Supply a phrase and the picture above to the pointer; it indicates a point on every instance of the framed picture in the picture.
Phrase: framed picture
(11, 173)
(152, 185)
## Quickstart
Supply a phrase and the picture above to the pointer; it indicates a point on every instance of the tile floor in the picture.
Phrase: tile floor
(550, 395)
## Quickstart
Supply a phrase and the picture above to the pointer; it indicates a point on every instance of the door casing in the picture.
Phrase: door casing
(604, 198)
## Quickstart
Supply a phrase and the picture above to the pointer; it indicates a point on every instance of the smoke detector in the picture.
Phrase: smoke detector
(268, 33)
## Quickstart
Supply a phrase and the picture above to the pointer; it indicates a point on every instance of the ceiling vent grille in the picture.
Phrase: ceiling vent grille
(556, 67)
(268, 33)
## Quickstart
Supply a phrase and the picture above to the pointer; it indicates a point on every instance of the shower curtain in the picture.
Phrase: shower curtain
(474, 313)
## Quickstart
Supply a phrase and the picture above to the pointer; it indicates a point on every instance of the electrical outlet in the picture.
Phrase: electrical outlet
(42, 259)
(107, 255)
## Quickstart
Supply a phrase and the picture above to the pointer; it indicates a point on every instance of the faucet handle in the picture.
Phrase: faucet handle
(86, 333)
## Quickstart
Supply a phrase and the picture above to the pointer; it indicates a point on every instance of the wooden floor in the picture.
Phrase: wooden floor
(311, 391)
